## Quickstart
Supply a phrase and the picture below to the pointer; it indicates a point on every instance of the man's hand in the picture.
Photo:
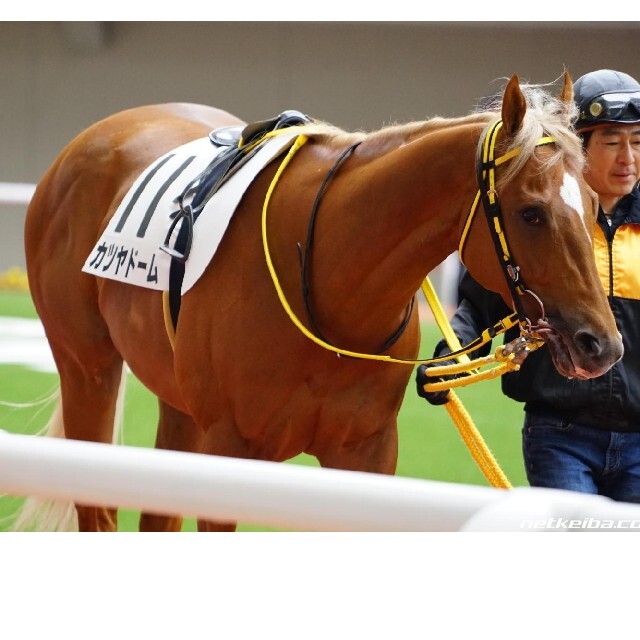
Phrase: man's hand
(433, 397)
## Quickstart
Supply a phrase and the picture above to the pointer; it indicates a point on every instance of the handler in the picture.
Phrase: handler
(583, 435)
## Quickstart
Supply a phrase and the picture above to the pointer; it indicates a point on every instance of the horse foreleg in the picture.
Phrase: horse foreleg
(176, 431)
(378, 453)
(220, 527)
(223, 439)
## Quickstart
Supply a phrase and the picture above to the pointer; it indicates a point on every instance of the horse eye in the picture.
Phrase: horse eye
(532, 215)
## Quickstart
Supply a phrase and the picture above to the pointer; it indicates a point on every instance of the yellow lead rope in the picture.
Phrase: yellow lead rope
(461, 418)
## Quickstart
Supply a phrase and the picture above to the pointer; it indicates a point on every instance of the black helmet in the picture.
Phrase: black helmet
(606, 96)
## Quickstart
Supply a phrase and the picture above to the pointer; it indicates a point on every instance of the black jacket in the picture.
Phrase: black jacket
(610, 402)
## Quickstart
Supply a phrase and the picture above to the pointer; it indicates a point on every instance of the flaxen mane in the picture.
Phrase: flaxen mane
(546, 115)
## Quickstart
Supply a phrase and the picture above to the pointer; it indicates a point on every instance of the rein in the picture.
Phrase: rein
(486, 166)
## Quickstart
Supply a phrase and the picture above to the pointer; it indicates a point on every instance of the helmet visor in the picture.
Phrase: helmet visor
(611, 107)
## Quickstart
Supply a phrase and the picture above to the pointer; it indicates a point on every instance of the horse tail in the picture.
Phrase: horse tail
(45, 514)
(48, 514)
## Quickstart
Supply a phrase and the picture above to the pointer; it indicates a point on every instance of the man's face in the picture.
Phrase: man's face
(613, 162)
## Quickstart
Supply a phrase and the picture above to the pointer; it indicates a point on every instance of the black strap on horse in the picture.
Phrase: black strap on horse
(241, 145)
(485, 169)
(305, 258)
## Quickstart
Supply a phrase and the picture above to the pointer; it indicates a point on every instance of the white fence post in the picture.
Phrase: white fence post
(16, 192)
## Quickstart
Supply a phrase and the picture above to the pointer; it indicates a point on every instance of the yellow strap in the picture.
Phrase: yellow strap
(472, 378)
(441, 318)
(467, 225)
(501, 237)
(168, 321)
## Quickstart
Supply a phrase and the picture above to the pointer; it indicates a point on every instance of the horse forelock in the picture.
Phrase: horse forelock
(546, 115)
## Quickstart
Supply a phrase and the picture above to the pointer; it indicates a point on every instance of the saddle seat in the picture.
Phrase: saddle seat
(240, 137)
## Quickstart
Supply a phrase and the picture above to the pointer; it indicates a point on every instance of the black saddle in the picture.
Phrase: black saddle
(239, 145)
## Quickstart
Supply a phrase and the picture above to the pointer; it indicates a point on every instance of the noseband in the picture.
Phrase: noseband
(486, 164)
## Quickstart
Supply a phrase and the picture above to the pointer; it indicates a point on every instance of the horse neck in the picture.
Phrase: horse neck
(392, 215)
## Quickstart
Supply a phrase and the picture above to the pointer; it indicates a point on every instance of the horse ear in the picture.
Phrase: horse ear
(514, 106)
(567, 90)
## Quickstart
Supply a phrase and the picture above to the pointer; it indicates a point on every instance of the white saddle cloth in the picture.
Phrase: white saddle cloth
(129, 248)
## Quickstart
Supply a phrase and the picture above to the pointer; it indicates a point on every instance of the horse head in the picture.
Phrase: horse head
(544, 265)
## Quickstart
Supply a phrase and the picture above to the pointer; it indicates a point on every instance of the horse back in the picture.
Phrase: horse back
(72, 205)
(84, 185)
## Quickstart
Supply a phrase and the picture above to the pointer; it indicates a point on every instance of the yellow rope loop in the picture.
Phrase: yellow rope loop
(504, 355)
(472, 378)
(511, 355)
(459, 367)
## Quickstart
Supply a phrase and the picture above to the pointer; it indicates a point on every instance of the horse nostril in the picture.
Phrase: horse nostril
(588, 343)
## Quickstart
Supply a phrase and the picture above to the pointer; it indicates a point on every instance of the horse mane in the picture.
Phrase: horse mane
(546, 115)
(390, 136)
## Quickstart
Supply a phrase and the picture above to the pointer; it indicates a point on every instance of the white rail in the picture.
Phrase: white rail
(285, 496)
(16, 192)
(279, 495)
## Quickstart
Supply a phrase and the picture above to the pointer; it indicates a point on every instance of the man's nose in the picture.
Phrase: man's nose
(625, 155)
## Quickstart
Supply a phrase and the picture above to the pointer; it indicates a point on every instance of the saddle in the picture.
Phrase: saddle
(239, 145)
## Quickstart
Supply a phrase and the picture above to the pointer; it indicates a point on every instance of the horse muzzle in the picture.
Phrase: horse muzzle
(583, 353)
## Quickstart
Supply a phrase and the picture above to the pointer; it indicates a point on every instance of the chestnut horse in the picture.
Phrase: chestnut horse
(241, 379)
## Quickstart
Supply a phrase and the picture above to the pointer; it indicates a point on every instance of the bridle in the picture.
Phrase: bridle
(486, 165)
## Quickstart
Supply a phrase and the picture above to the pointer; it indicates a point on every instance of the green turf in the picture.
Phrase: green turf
(430, 446)
(16, 304)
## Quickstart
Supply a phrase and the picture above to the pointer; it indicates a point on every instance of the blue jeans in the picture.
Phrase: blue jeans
(564, 455)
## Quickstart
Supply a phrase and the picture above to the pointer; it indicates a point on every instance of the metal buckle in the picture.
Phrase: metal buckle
(182, 214)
